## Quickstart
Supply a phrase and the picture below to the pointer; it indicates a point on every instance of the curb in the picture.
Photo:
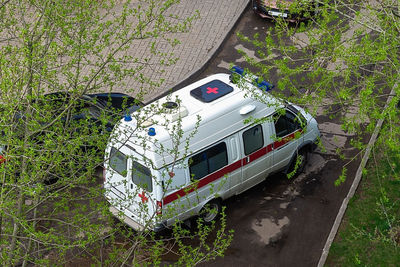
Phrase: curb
(216, 49)
(353, 187)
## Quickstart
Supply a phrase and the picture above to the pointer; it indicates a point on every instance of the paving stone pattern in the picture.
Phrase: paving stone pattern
(217, 17)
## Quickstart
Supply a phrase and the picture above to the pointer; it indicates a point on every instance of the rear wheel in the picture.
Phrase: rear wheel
(211, 211)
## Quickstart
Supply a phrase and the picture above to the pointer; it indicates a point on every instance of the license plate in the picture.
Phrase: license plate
(277, 14)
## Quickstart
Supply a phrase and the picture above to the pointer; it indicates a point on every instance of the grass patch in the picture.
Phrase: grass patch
(370, 231)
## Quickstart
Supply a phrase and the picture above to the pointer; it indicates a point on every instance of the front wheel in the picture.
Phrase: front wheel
(211, 211)
(298, 164)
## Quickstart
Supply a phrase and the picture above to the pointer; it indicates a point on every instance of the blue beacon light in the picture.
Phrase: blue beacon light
(152, 131)
(127, 117)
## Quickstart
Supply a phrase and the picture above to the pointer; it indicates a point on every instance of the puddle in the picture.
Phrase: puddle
(270, 230)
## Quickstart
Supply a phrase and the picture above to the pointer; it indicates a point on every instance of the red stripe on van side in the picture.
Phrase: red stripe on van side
(203, 182)
(258, 154)
(217, 175)
(227, 169)
(286, 139)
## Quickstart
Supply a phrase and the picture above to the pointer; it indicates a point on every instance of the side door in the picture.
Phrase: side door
(235, 163)
(207, 169)
(257, 159)
(288, 136)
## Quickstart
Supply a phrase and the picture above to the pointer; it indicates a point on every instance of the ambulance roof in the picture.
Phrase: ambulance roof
(214, 106)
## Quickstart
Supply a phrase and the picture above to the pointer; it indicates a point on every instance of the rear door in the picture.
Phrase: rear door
(131, 186)
(141, 190)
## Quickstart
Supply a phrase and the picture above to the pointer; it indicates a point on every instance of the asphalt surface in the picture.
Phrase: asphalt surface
(283, 222)
(279, 222)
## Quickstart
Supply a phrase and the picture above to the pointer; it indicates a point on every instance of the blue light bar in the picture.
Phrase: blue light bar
(263, 85)
(237, 70)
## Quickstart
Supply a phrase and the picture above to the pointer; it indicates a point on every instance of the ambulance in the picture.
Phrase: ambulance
(183, 154)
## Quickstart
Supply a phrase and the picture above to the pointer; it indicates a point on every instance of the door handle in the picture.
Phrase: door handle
(282, 146)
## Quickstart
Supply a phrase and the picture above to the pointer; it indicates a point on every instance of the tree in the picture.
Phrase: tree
(342, 62)
(52, 208)
(343, 58)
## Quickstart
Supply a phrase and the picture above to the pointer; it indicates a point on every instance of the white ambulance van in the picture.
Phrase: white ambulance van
(197, 151)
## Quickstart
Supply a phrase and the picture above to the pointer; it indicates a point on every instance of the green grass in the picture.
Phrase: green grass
(370, 231)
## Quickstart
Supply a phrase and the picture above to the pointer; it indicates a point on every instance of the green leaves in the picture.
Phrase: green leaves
(51, 196)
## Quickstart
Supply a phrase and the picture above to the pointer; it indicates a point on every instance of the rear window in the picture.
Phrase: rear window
(141, 176)
(118, 161)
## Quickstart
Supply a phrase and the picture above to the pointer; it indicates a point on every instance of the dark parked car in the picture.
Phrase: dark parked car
(92, 107)
(281, 8)
(87, 116)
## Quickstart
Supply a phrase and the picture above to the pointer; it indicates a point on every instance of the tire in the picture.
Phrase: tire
(211, 211)
(301, 161)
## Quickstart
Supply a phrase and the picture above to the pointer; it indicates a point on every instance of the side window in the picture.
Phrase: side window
(141, 176)
(286, 124)
(253, 139)
(208, 161)
(118, 161)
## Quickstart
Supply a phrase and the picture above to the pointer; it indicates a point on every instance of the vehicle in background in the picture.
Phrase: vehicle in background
(282, 9)
(92, 114)
(91, 107)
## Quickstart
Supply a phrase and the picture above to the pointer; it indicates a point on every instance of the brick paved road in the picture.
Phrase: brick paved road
(216, 20)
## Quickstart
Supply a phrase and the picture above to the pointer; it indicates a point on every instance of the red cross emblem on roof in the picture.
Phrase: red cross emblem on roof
(143, 197)
(212, 90)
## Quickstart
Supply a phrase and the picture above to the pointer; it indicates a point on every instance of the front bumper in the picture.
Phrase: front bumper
(272, 13)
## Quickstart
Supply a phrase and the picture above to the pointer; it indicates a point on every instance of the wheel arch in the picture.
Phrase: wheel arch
(307, 146)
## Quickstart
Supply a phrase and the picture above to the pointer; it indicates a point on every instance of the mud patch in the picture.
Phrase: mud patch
(291, 192)
(315, 164)
(333, 137)
(270, 230)
(300, 40)
(284, 205)
(223, 64)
